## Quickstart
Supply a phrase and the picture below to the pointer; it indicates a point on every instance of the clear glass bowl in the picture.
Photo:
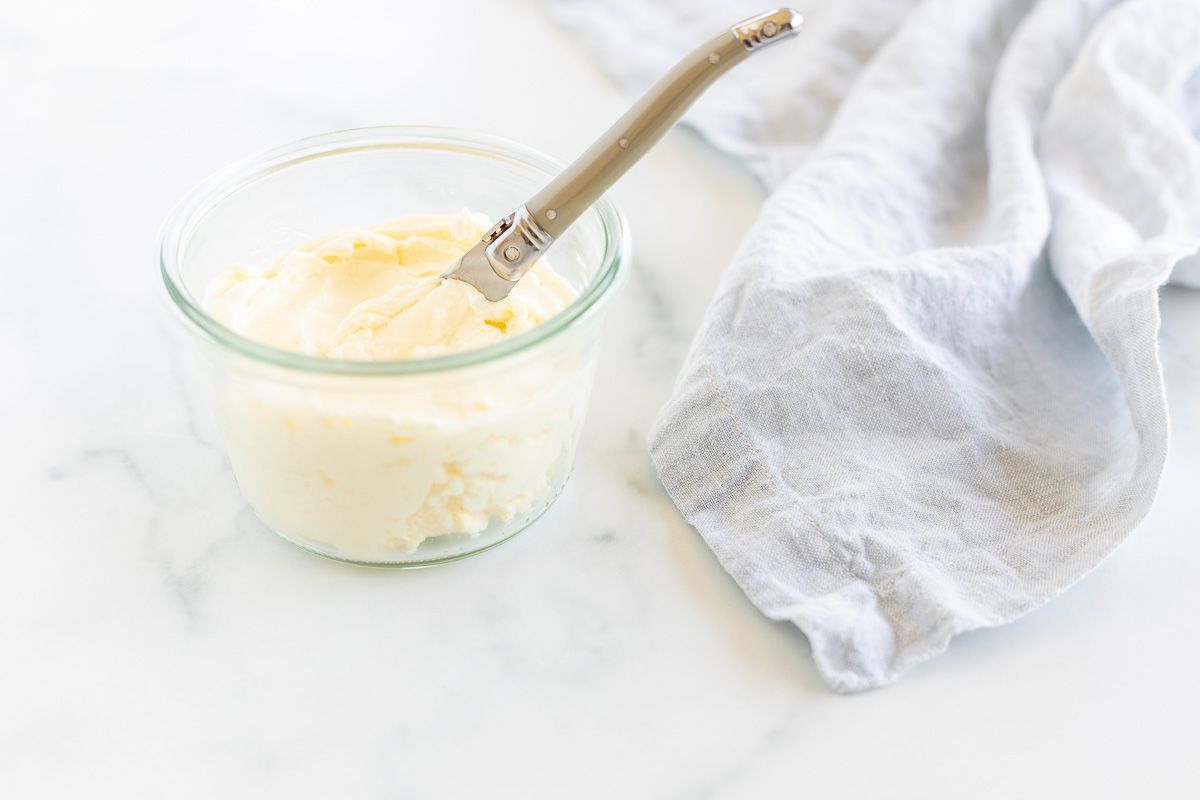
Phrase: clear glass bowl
(352, 459)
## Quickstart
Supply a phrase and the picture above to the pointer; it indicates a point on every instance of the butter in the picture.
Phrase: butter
(370, 468)
(374, 294)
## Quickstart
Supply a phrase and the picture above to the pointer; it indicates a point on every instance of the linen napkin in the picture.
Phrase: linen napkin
(926, 397)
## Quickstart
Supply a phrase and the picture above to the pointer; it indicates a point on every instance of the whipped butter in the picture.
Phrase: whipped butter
(374, 294)
(368, 467)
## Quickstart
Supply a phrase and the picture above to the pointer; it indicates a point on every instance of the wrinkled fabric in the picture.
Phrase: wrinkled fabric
(926, 397)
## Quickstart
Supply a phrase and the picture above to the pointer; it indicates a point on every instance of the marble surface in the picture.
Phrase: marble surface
(157, 641)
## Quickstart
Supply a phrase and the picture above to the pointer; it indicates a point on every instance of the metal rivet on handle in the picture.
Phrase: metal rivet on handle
(714, 58)
(511, 253)
(770, 28)
(623, 143)
(551, 214)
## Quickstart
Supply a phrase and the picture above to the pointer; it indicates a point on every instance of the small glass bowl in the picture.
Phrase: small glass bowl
(358, 460)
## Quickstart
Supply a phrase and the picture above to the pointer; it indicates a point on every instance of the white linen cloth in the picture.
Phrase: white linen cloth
(926, 397)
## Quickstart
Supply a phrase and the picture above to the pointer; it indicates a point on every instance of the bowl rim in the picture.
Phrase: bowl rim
(187, 215)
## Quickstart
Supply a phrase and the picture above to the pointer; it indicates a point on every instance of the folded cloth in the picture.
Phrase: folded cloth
(926, 397)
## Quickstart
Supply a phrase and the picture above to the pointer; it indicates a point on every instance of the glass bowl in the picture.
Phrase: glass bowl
(398, 463)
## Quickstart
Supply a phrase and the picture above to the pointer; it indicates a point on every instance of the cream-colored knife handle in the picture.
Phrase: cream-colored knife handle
(509, 248)
(561, 202)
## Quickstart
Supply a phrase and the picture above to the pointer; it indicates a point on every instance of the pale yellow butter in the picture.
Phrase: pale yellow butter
(371, 468)
(374, 294)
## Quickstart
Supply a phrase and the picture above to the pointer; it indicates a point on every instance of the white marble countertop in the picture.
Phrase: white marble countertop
(158, 642)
